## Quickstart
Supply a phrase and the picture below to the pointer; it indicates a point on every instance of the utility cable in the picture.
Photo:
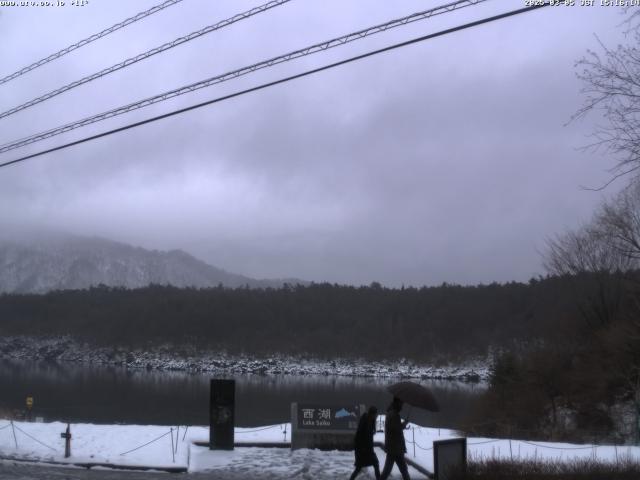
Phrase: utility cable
(88, 40)
(277, 82)
(143, 56)
(319, 47)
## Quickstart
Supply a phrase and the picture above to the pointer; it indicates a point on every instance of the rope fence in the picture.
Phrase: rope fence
(471, 429)
(79, 414)
(32, 437)
(149, 443)
(467, 431)
(509, 449)
(172, 431)
(590, 447)
(259, 429)
(475, 429)
(421, 447)
(174, 442)
(487, 441)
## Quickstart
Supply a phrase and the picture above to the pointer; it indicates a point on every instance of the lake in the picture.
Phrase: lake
(107, 394)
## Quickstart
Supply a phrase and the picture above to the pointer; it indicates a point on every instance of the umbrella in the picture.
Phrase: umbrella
(415, 395)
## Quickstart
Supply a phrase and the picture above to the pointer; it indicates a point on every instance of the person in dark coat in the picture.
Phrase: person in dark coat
(394, 441)
(363, 443)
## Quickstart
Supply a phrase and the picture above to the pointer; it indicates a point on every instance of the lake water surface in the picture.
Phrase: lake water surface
(107, 394)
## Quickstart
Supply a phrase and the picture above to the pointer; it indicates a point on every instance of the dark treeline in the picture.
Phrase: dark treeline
(435, 323)
(566, 348)
(584, 382)
(587, 379)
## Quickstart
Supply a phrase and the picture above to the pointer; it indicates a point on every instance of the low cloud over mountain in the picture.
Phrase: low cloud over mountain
(59, 262)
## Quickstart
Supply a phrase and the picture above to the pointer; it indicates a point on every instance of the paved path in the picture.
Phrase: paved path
(41, 472)
(9, 471)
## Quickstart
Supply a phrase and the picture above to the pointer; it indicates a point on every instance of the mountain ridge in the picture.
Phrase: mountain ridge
(71, 262)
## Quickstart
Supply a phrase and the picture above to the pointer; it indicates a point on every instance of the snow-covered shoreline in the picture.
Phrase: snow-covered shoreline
(165, 357)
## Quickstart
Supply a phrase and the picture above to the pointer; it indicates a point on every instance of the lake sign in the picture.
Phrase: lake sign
(323, 417)
(324, 426)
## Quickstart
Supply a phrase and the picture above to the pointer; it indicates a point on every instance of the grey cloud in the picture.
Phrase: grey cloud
(446, 161)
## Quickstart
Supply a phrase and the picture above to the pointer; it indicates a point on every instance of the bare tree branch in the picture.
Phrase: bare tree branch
(611, 86)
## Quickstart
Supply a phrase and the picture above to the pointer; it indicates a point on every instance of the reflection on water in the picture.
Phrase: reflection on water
(108, 394)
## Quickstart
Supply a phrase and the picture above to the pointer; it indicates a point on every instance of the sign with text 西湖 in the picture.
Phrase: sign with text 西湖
(323, 417)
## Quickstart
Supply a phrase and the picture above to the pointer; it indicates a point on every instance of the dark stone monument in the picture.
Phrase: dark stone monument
(222, 414)
(449, 455)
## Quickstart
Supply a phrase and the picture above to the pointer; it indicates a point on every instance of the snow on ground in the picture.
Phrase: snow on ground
(280, 463)
(166, 357)
(136, 445)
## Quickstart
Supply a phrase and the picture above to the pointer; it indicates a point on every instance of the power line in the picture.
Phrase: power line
(319, 47)
(277, 82)
(143, 56)
(92, 38)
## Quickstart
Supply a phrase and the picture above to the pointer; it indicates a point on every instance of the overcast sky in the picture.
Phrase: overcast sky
(447, 160)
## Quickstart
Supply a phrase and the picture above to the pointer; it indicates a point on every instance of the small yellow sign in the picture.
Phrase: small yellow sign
(29, 402)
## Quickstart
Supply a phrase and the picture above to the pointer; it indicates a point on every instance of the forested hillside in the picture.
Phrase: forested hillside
(426, 324)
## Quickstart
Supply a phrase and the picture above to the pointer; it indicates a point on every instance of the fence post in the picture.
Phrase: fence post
(67, 441)
(177, 437)
(413, 433)
(172, 452)
(14, 434)
(638, 423)
(510, 437)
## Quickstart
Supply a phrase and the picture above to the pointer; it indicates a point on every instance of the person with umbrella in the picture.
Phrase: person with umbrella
(415, 395)
(365, 456)
(394, 442)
